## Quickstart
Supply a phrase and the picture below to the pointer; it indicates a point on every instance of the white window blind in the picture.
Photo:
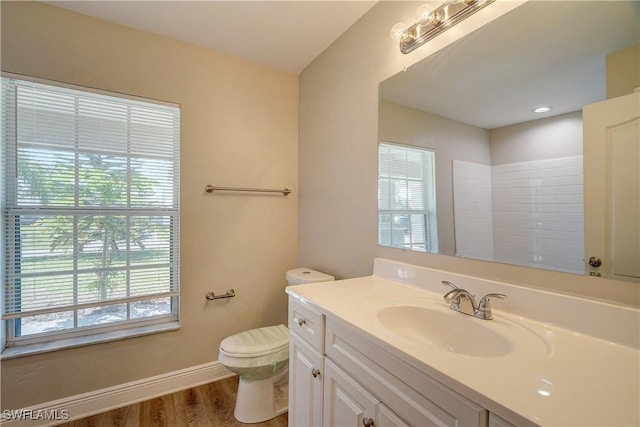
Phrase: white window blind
(407, 198)
(90, 210)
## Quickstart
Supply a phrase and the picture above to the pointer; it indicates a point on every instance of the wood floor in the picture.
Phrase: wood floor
(209, 405)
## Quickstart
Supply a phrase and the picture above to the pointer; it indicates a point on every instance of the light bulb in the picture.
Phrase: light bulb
(423, 13)
(398, 31)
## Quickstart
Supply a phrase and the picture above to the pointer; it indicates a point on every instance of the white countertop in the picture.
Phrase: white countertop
(551, 376)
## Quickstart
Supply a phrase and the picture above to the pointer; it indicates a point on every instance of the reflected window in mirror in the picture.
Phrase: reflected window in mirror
(407, 198)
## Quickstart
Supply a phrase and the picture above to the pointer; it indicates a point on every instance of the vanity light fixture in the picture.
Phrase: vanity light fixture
(541, 109)
(426, 16)
(432, 22)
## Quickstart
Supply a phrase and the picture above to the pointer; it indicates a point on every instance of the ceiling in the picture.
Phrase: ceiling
(287, 35)
(543, 53)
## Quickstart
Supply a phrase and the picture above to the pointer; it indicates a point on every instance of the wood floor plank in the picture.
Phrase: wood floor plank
(209, 405)
(222, 395)
(160, 412)
(127, 416)
(193, 407)
(124, 417)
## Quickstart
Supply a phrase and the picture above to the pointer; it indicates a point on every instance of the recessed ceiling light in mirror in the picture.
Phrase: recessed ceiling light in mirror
(541, 109)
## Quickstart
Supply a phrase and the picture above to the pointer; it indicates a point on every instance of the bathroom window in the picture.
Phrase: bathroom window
(90, 212)
(406, 198)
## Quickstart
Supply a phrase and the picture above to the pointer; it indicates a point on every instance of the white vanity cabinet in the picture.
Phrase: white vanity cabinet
(392, 353)
(417, 398)
(306, 373)
(306, 365)
(347, 380)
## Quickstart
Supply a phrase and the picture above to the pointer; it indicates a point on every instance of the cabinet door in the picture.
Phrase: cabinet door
(346, 403)
(385, 417)
(305, 384)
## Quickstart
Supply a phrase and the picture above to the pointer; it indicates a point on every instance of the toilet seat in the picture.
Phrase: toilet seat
(257, 347)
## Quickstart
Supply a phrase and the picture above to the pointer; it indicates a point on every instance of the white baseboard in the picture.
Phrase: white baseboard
(106, 399)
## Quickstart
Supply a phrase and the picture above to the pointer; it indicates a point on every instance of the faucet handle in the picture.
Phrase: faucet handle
(487, 296)
(449, 296)
(446, 283)
(484, 306)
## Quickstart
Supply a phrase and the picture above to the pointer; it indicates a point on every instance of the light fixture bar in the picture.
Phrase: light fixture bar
(448, 14)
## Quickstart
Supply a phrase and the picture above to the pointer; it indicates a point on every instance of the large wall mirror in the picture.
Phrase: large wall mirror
(469, 168)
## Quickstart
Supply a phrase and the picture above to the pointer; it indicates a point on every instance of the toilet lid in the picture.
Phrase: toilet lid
(256, 342)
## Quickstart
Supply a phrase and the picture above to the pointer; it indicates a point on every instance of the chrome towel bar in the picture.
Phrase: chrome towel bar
(211, 189)
(211, 296)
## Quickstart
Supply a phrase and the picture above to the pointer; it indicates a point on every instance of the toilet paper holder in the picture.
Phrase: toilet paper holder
(229, 294)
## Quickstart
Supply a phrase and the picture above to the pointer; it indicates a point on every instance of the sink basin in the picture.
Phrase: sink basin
(446, 329)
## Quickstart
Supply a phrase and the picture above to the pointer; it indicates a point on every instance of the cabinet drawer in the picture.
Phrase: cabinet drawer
(421, 400)
(307, 323)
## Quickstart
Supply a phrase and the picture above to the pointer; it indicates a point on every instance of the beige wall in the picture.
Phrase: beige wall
(338, 151)
(623, 71)
(450, 140)
(239, 128)
(542, 139)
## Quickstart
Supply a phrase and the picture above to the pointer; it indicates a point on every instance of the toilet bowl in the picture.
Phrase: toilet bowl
(260, 357)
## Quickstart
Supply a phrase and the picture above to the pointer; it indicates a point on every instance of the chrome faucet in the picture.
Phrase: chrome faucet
(460, 299)
(464, 302)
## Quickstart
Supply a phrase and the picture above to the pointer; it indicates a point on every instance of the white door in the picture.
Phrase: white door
(346, 403)
(612, 187)
(305, 384)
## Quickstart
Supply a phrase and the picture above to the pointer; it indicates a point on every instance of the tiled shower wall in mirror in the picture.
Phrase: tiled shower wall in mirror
(534, 217)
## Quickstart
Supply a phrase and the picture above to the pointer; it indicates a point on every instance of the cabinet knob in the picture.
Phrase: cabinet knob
(301, 321)
(595, 262)
(315, 372)
(367, 422)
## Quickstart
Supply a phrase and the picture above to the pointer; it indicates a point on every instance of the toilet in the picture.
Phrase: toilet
(260, 357)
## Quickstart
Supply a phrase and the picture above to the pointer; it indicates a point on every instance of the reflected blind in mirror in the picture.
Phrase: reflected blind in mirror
(406, 198)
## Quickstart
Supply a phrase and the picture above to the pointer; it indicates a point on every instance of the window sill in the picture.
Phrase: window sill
(31, 349)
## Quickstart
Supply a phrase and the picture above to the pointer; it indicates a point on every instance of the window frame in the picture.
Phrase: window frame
(12, 345)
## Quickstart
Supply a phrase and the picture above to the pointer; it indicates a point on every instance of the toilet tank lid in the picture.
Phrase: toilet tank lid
(302, 275)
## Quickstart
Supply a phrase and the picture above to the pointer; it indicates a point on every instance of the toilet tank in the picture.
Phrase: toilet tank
(302, 275)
